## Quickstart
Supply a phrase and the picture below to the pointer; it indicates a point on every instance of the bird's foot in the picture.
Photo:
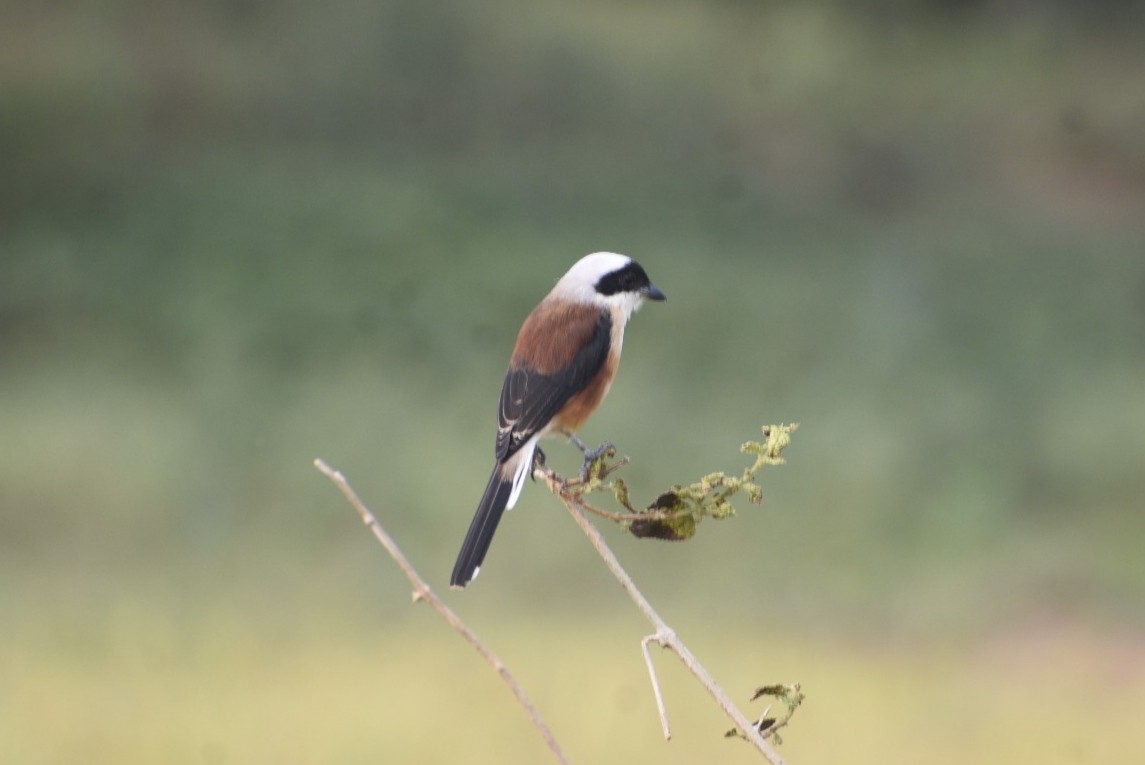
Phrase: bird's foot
(538, 462)
(593, 459)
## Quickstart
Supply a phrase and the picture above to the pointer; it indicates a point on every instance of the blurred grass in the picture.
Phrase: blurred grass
(236, 236)
(223, 689)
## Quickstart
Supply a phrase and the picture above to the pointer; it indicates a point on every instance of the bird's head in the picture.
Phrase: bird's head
(608, 280)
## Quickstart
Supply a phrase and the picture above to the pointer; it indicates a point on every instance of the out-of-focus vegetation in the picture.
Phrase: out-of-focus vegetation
(238, 235)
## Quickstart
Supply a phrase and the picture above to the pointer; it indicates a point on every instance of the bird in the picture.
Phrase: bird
(563, 363)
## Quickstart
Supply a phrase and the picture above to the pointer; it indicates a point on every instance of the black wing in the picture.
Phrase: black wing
(530, 399)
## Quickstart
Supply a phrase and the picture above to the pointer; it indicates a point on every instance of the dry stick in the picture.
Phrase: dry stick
(664, 634)
(656, 686)
(422, 593)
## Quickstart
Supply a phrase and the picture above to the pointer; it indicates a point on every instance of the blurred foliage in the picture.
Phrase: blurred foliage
(238, 235)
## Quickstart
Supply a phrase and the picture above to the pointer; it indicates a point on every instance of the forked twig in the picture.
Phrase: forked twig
(656, 686)
(423, 593)
(664, 635)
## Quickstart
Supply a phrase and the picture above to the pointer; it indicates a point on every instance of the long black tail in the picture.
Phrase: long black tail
(480, 534)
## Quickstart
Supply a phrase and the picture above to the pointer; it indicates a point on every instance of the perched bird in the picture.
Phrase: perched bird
(564, 361)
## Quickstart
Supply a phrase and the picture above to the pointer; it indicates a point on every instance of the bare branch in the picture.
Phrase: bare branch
(423, 593)
(664, 635)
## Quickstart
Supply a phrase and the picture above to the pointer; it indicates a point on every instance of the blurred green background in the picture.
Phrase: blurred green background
(235, 236)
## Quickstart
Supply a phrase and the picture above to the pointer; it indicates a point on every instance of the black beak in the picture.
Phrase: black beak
(652, 292)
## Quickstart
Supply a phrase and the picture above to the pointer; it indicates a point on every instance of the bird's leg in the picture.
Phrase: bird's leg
(591, 456)
(579, 444)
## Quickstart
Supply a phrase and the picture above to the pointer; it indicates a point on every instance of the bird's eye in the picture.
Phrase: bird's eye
(629, 279)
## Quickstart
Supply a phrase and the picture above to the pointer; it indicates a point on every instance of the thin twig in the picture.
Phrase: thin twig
(656, 685)
(423, 593)
(664, 635)
(629, 517)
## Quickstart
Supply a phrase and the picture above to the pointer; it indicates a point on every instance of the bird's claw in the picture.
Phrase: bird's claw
(593, 458)
(538, 462)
